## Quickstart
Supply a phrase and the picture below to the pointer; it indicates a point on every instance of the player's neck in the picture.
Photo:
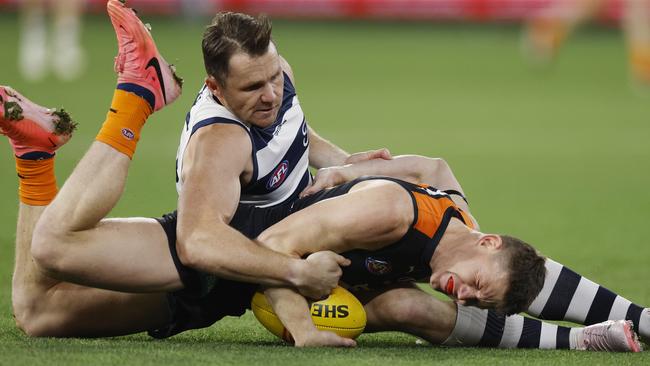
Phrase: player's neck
(455, 242)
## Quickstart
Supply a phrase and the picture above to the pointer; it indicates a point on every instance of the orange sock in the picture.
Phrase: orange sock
(127, 115)
(37, 181)
(640, 63)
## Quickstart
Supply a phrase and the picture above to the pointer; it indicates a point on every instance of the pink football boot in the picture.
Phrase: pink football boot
(33, 131)
(140, 67)
(609, 336)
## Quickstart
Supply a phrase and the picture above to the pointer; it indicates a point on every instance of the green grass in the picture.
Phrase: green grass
(559, 157)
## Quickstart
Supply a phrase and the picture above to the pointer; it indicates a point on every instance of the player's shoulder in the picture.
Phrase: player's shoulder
(223, 134)
(286, 67)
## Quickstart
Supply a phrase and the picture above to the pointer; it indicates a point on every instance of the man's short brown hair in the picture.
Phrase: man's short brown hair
(526, 275)
(230, 33)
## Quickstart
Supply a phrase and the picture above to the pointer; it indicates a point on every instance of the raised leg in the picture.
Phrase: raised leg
(73, 241)
(44, 306)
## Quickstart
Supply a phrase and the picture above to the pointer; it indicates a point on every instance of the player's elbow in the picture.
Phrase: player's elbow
(187, 253)
(190, 247)
(434, 166)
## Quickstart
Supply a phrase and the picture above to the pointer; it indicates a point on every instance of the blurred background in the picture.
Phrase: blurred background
(540, 107)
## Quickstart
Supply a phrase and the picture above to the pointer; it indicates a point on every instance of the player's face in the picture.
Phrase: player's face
(478, 280)
(253, 87)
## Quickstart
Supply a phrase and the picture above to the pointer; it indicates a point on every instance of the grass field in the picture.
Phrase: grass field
(559, 157)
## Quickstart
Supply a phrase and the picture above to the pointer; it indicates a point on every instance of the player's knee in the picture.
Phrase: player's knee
(31, 317)
(47, 250)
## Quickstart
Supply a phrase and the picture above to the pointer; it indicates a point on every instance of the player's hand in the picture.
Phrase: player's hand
(382, 153)
(322, 338)
(320, 274)
(325, 178)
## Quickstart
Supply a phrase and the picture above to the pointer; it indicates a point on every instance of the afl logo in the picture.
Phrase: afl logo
(378, 267)
(278, 175)
(128, 134)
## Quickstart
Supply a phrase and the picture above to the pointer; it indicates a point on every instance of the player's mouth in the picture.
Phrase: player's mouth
(449, 286)
(266, 108)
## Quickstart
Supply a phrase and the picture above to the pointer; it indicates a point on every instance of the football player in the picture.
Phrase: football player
(72, 239)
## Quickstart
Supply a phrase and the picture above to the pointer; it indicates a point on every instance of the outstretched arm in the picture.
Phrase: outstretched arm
(416, 169)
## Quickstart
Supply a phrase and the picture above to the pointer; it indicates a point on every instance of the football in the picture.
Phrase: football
(341, 313)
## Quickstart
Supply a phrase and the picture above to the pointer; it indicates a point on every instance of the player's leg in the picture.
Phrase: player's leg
(547, 30)
(567, 295)
(33, 50)
(636, 23)
(43, 306)
(68, 58)
(72, 241)
(409, 309)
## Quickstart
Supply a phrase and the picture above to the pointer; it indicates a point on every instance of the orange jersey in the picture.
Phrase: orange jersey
(406, 260)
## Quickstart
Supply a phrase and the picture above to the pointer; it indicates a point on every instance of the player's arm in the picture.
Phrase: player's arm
(372, 215)
(411, 168)
(206, 205)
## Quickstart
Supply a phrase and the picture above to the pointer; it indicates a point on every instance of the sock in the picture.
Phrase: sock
(37, 181)
(483, 328)
(128, 113)
(640, 63)
(568, 296)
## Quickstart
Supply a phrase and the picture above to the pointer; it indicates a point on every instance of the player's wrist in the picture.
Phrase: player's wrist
(295, 276)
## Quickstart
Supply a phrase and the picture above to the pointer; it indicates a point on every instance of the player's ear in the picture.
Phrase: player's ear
(214, 86)
(490, 241)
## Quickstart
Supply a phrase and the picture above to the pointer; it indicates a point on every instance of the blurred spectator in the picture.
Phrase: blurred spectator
(62, 52)
(547, 30)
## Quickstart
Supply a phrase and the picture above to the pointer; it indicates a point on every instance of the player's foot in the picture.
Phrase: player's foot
(33, 131)
(610, 336)
(140, 67)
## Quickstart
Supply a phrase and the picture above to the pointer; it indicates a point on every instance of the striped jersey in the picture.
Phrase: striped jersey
(280, 151)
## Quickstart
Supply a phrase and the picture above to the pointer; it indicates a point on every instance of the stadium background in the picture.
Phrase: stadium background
(558, 156)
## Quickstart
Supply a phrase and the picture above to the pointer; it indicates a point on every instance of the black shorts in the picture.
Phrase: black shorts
(207, 298)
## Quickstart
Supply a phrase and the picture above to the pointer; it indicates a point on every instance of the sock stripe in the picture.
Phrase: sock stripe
(531, 332)
(562, 340)
(601, 306)
(548, 337)
(494, 327)
(470, 326)
(582, 301)
(553, 270)
(512, 331)
(634, 314)
(140, 91)
(563, 290)
(619, 308)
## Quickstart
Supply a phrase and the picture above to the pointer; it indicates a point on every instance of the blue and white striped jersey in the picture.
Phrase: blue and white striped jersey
(280, 151)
